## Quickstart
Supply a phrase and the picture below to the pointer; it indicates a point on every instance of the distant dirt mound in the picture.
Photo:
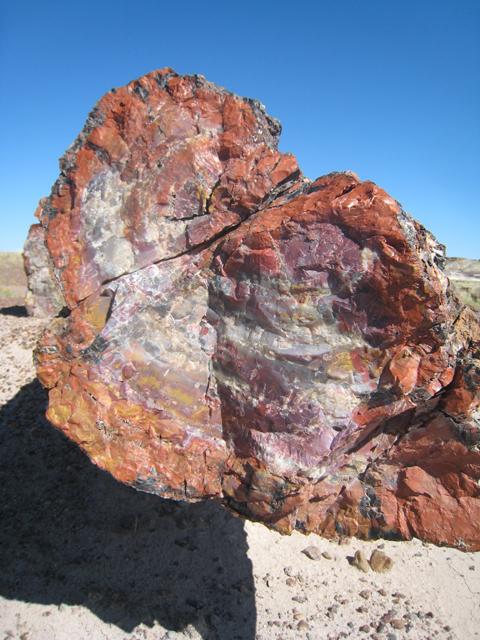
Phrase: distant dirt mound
(464, 274)
(13, 281)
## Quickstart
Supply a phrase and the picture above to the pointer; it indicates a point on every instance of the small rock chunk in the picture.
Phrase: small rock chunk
(300, 599)
(312, 552)
(303, 626)
(360, 562)
(397, 623)
(380, 562)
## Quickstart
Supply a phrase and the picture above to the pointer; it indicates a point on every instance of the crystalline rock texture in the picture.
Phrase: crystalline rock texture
(232, 330)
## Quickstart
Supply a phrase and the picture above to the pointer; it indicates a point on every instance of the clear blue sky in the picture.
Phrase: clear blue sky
(388, 89)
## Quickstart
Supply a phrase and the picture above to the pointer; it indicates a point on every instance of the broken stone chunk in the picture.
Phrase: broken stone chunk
(313, 553)
(360, 562)
(231, 330)
(380, 562)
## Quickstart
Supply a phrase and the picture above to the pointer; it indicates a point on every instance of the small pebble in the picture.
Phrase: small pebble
(312, 552)
(350, 624)
(381, 546)
(391, 636)
(397, 623)
(362, 609)
(397, 594)
(300, 599)
(327, 555)
(303, 626)
(290, 582)
(382, 592)
(360, 562)
(388, 617)
(289, 571)
(365, 594)
(472, 567)
(364, 628)
(380, 562)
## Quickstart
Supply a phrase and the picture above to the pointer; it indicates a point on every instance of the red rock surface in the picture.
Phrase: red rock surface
(292, 349)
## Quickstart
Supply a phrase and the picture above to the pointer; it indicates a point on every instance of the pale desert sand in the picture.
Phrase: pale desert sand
(84, 557)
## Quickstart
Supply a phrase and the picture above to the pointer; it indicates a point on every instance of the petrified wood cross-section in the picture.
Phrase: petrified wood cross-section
(234, 331)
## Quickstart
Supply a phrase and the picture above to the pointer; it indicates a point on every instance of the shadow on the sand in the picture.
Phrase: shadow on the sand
(72, 534)
(19, 311)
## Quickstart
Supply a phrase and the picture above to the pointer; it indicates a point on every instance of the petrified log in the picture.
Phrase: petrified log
(235, 331)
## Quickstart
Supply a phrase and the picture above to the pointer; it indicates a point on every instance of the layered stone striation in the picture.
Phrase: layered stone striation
(235, 331)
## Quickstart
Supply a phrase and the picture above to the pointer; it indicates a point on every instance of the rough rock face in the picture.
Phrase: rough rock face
(292, 349)
(42, 299)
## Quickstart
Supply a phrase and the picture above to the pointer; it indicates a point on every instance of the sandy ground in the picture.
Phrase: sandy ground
(84, 557)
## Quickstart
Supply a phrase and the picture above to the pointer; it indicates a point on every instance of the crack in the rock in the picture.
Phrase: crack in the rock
(194, 216)
(190, 250)
(102, 154)
(208, 201)
(96, 118)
